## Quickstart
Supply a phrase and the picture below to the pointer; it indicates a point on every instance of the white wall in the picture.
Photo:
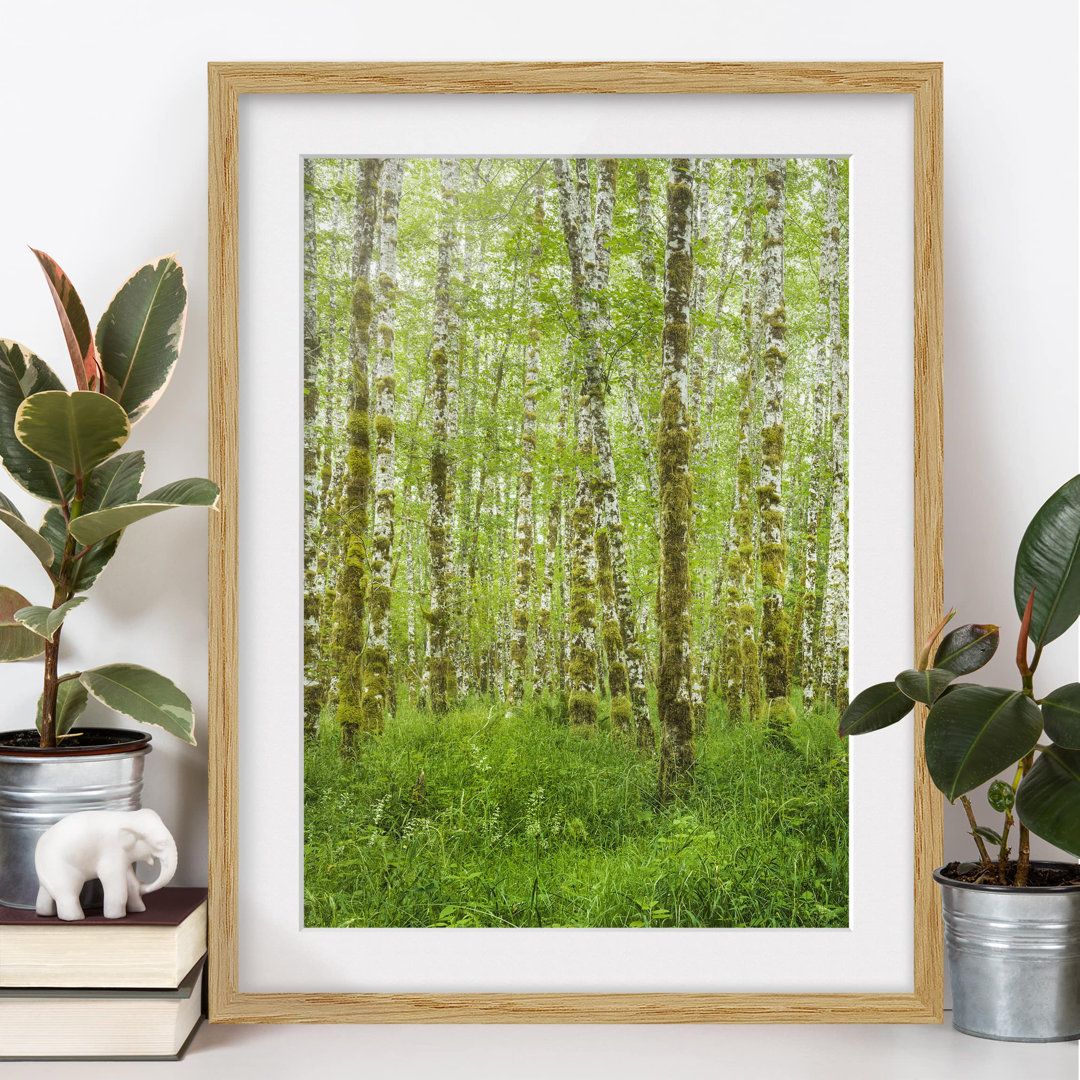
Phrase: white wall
(103, 118)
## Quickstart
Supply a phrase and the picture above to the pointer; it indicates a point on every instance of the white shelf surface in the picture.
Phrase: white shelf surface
(567, 1052)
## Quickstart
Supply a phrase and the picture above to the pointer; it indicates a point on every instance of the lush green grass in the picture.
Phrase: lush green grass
(480, 819)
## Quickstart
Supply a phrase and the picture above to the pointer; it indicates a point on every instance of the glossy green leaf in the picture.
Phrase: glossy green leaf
(21, 375)
(72, 431)
(71, 699)
(144, 695)
(76, 325)
(10, 516)
(1048, 800)
(967, 648)
(140, 334)
(46, 621)
(16, 642)
(1061, 716)
(988, 834)
(974, 732)
(1048, 561)
(925, 686)
(115, 481)
(876, 707)
(90, 528)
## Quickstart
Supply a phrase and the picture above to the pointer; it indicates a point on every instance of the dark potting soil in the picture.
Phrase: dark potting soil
(89, 739)
(1038, 876)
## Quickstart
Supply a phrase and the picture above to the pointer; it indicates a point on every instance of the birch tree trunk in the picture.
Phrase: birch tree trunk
(574, 212)
(701, 184)
(774, 620)
(519, 648)
(312, 702)
(702, 179)
(327, 393)
(834, 612)
(350, 613)
(716, 374)
(547, 673)
(412, 674)
(673, 691)
(741, 673)
(440, 664)
(807, 625)
(377, 670)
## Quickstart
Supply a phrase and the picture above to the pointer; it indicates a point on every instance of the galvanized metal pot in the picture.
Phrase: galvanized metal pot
(39, 787)
(1014, 959)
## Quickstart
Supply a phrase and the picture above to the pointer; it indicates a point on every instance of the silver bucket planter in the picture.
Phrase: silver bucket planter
(39, 787)
(1014, 959)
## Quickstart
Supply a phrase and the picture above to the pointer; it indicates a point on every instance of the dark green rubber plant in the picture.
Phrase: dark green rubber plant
(974, 732)
(64, 447)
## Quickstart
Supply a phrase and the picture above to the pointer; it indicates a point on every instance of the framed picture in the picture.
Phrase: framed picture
(579, 435)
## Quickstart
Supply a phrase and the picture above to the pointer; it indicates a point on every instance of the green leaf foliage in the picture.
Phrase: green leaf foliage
(72, 431)
(16, 642)
(90, 528)
(54, 530)
(115, 481)
(925, 686)
(967, 648)
(1000, 796)
(76, 325)
(988, 834)
(1048, 561)
(23, 374)
(974, 732)
(1061, 715)
(144, 695)
(10, 516)
(1048, 796)
(46, 621)
(876, 707)
(139, 336)
(71, 699)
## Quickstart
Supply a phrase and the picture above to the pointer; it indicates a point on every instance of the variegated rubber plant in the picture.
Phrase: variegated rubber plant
(64, 447)
(974, 732)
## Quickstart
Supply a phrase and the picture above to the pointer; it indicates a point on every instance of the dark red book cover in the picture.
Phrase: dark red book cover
(166, 907)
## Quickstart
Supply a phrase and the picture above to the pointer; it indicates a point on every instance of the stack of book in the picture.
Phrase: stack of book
(104, 988)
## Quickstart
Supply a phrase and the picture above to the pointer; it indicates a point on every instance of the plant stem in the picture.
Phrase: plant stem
(1023, 855)
(1003, 855)
(984, 855)
(48, 700)
(61, 594)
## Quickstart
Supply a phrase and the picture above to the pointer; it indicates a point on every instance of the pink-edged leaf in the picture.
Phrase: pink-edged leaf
(77, 334)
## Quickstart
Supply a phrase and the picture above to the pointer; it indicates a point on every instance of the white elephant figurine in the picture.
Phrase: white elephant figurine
(101, 844)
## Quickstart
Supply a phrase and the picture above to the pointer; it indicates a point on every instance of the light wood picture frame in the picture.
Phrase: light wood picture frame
(922, 82)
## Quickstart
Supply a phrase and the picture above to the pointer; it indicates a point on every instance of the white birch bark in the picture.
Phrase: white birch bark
(676, 630)
(741, 667)
(810, 616)
(834, 611)
(774, 627)
(312, 702)
(717, 374)
(524, 527)
(350, 607)
(573, 211)
(377, 668)
(441, 670)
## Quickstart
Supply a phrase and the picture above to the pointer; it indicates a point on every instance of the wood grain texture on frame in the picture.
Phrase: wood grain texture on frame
(226, 82)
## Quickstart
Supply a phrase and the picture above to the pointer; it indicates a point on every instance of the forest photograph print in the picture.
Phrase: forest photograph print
(575, 542)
